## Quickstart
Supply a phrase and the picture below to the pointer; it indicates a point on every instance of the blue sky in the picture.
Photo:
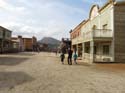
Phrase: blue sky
(44, 18)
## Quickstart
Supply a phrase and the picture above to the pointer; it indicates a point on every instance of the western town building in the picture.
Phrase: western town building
(29, 42)
(24, 44)
(18, 44)
(5, 39)
(101, 38)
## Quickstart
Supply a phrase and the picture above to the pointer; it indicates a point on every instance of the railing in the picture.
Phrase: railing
(102, 33)
(98, 58)
(103, 58)
(77, 40)
(98, 33)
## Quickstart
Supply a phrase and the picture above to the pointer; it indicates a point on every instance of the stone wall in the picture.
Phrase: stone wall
(119, 32)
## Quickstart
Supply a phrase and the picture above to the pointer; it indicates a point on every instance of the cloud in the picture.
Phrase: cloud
(99, 2)
(39, 17)
(4, 5)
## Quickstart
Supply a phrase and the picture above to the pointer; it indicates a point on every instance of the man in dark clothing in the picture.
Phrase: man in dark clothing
(70, 56)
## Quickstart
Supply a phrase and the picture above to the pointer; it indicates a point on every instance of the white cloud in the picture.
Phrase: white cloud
(2, 3)
(10, 8)
(99, 2)
(39, 17)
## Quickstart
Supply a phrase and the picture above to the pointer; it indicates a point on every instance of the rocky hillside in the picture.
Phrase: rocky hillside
(51, 43)
(49, 40)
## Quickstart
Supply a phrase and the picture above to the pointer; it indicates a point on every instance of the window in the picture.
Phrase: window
(87, 49)
(106, 49)
(78, 33)
(1, 34)
(94, 27)
(95, 50)
(105, 26)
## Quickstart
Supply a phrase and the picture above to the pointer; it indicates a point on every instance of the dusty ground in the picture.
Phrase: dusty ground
(43, 73)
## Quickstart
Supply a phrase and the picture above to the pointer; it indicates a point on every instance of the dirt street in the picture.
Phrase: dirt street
(44, 73)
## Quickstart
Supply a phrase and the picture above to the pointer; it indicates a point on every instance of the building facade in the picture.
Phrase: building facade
(102, 36)
(29, 42)
(5, 39)
(77, 39)
(23, 44)
(17, 43)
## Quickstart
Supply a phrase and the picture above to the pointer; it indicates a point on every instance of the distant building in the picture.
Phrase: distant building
(44, 47)
(17, 43)
(14, 45)
(24, 44)
(101, 38)
(29, 42)
(5, 39)
(21, 43)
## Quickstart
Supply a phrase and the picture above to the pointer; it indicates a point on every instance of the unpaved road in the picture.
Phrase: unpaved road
(43, 73)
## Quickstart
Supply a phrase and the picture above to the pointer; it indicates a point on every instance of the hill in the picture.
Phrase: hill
(49, 44)
(49, 40)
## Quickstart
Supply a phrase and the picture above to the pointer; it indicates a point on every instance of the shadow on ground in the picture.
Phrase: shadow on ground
(11, 79)
(10, 61)
(83, 64)
(23, 54)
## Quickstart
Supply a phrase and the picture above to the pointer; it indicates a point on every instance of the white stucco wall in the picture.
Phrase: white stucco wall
(104, 17)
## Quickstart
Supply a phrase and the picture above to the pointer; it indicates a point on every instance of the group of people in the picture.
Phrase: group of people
(70, 56)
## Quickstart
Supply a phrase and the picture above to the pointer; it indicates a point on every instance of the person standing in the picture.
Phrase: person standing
(56, 51)
(37, 48)
(70, 56)
(75, 56)
(62, 56)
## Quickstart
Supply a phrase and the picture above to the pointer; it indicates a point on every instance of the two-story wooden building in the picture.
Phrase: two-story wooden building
(29, 42)
(103, 34)
(24, 44)
(77, 39)
(5, 39)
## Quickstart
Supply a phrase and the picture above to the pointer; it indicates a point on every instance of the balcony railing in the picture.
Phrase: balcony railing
(102, 33)
(98, 33)
(77, 40)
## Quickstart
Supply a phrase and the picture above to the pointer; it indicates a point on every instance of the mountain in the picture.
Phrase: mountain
(49, 40)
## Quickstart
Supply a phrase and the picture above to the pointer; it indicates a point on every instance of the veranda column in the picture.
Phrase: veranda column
(112, 51)
(91, 51)
(77, 49)
(83, 50)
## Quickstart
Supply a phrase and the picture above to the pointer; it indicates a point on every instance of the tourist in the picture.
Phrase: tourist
(75, 56)
(70, 56)
(37, 48)
(62, 56)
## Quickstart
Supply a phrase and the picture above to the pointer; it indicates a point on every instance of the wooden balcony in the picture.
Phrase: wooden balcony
(98, 34)
(77, 40)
